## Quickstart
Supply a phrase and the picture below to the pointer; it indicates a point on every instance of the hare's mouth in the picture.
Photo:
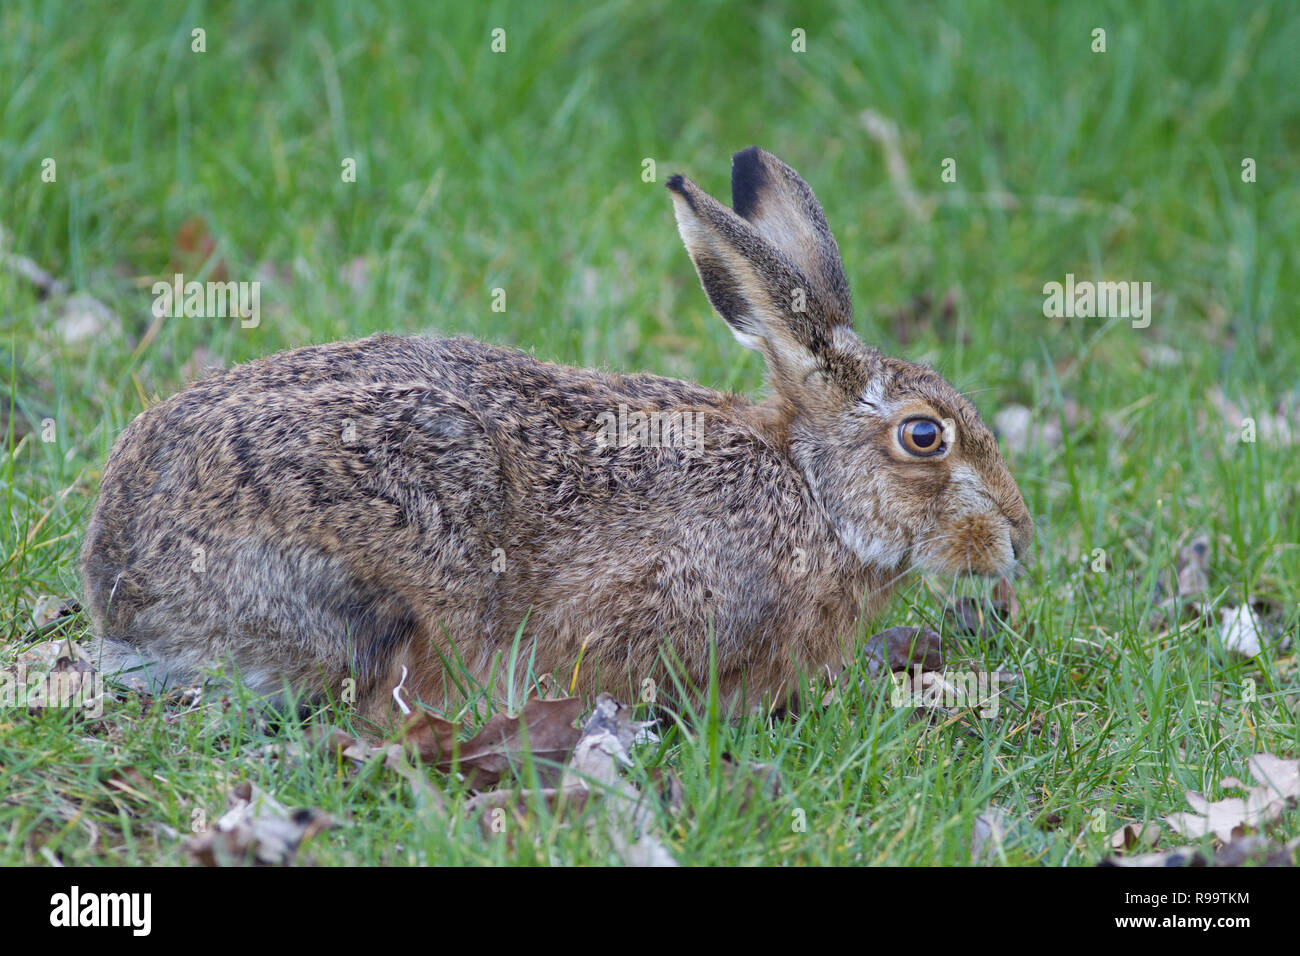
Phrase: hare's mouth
(964, 555)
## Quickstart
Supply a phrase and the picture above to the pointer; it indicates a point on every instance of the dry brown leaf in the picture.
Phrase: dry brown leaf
(1133, 835)
(547, 726)
(255, 829)
(430, 737)
(50, 608)
(57, 673)
(895, 649)
(593, 772)
(1281, 777)
(1255, 849)
(1279, 787)
(901, 647)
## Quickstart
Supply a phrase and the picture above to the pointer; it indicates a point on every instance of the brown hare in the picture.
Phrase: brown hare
(399, 509)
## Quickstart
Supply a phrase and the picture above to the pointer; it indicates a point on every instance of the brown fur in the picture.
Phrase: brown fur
(349, 500)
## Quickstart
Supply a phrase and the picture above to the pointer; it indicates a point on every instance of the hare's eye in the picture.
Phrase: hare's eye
(922, 437)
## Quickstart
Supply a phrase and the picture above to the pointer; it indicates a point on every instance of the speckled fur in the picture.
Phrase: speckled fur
(331, 551)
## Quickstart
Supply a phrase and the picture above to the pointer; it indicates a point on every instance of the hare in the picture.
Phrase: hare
(420, 512)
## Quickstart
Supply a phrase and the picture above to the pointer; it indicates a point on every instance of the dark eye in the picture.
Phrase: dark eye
(922, 437)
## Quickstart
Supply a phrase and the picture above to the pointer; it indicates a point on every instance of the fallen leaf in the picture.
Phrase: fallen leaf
(1280, 777)
(600, 753)
(1247, 849)
(892, 650)
(255, 829)
(1241, 631)
(1133, 835)
(430, 737)
(547, 726)
(607, 737)
(57, 673)
(593, 772)
(898, 648)
(1279, 787)
(48, 609)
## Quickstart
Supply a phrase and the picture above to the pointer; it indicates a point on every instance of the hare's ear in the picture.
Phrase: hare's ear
(782, 208)
(769, 303)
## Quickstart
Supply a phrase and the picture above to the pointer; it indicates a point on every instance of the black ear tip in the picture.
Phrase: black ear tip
(748, 175)
(677, 184)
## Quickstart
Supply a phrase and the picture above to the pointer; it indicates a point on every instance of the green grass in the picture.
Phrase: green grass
(522, 171)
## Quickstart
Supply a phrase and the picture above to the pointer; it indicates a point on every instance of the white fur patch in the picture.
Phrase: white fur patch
(845, 339)
(880, 552)
(968, 489)
(873, 396)
(747, 340)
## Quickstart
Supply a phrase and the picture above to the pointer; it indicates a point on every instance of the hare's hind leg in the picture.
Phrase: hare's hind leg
(281, 616)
